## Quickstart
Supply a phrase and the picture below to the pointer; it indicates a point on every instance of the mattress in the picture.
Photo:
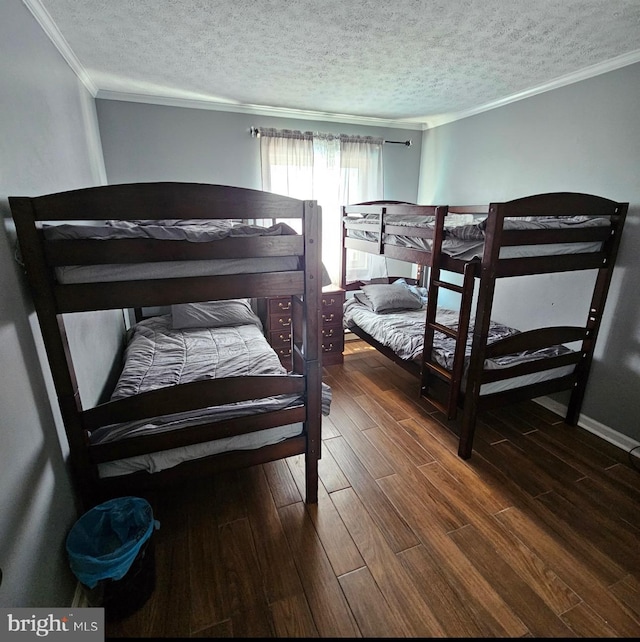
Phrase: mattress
(403, 333)
(157, 356)
(196, 231)
(464, 234)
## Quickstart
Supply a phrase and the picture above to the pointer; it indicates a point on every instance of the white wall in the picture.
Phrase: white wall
(143, 142)
(49, 142)
(584, 137)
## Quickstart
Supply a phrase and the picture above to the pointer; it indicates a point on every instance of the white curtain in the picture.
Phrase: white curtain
(334, 170)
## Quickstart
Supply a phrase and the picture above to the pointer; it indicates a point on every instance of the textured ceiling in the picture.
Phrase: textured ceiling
(396, 60)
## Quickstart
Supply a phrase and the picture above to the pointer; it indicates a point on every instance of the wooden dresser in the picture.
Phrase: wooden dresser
(276, 315)
(332, 330)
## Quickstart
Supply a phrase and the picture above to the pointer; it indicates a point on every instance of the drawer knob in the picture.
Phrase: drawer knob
(328, 317)
(283, 322)
(331, 301)
(284, 306)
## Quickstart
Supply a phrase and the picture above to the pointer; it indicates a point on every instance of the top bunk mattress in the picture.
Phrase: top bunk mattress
(191, 230)
(464, 234)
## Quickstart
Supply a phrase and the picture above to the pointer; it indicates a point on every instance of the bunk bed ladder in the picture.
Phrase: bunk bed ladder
(459, 334)
(430, 367)
(596, 310)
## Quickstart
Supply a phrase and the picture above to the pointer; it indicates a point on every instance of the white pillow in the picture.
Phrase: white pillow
(213, 314)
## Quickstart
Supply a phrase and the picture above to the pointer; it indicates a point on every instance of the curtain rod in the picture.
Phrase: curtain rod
(255, 133)
(399, 142)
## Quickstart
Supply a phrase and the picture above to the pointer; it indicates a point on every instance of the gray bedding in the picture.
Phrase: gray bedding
(196, 231)
(403, 332)
(464, 234)
(158, 356)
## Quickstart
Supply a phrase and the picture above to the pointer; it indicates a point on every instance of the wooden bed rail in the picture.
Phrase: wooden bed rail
(100, 453)
(160, 292)
(189, 396)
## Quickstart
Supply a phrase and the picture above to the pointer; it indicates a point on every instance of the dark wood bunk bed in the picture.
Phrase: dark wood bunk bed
(295, 267)
(545, 233)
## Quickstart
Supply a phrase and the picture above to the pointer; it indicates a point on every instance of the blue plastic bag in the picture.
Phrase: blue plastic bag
(104, 542)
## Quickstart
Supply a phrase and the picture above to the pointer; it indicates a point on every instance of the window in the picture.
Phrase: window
(333, 170)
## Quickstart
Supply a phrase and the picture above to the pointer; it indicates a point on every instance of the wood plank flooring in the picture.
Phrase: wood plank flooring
(537, 535)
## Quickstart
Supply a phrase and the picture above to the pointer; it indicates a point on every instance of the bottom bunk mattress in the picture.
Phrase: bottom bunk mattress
(160, 355)
(402, 331)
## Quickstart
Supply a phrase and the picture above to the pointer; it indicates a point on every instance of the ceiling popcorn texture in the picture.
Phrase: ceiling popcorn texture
(401, 60)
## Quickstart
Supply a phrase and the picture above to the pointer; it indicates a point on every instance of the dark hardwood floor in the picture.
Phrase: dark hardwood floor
(537, 535)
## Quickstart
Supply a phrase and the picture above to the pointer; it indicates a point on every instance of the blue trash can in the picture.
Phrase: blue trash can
(111, 552)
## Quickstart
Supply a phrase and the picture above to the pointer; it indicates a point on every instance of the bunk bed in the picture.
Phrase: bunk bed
(200, 389)
(466, 360)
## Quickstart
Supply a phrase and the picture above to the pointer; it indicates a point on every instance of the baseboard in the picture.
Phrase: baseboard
(601, 430)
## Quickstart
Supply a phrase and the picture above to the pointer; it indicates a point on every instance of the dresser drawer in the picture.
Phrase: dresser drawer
(280, 339)
(332, 302)
(331, 345)
(332, 351)
(332, 332)
(279, 305)
(284, 353)
(281, 321)
(331, 317)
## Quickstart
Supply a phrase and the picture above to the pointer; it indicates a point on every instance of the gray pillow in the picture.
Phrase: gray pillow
(383, 297)
(213, 314)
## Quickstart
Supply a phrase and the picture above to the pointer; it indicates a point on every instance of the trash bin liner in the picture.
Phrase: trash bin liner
(105, 541)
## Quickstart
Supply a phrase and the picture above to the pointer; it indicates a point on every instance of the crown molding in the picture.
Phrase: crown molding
(52, 31)
(562, 81)
(259, 110)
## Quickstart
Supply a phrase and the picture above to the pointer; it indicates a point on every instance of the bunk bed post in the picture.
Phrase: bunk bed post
(56, 346)
(482, 322)
(311, 345)
(343, 266)
(594, 318)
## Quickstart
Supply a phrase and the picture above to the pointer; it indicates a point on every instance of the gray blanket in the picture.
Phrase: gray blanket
(403, 332)
(157, 356)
